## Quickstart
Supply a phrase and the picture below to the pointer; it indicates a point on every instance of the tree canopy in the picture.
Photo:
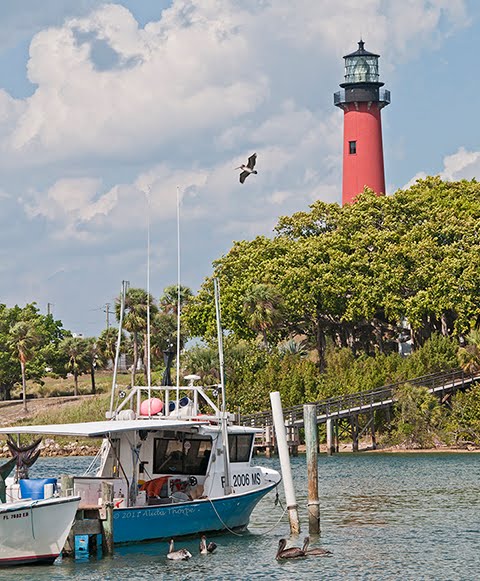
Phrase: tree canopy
(362, 274)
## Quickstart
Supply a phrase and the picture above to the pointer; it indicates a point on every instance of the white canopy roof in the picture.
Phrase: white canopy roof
(99, 429)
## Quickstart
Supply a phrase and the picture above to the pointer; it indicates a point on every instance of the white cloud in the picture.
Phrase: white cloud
(201, 67)
(120, 109)
(460, 165)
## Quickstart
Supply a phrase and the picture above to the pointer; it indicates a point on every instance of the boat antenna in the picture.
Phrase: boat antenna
(149, 370)
(226, 452)
(123, 292)
(177, 406)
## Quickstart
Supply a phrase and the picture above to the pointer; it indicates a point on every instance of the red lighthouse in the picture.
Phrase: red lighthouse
(362, 100)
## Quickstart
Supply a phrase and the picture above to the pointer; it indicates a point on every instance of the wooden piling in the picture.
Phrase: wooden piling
(66, 489)
(330, 437)
(268, 441)
(107, 523)
(372, 428)
(66, 482)
(354, 425)
(282, 445)
(311, 441)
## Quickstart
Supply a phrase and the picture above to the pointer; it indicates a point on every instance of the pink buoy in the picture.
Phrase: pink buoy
(151, 406)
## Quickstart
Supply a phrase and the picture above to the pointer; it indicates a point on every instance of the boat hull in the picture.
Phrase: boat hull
(35, 531)
(181, 519)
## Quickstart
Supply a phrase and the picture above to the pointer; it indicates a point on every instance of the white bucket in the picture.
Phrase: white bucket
(48, 490)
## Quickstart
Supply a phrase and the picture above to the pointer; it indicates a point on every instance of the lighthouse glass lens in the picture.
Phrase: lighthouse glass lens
(361, 69)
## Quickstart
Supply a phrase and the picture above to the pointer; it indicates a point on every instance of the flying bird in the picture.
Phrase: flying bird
(248, 168)
(180, 555)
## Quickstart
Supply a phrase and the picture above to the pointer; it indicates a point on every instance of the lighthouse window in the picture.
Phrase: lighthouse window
(352, 147)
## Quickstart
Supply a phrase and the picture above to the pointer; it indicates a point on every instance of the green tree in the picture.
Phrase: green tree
(263, 310)
(24, 338)
(469, 356)
(75, 350)
(107, 345)
(168, 302)
(418, 418)
(135, 320)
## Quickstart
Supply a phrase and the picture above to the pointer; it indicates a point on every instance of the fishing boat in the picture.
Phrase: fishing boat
(35, 530)
(177, 463)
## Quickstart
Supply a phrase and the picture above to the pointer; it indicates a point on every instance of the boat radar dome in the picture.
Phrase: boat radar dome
(192, 378)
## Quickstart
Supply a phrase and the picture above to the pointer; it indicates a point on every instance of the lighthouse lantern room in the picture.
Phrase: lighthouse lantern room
(362, 98)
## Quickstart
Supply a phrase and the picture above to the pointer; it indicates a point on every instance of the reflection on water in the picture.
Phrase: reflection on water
(384, 516)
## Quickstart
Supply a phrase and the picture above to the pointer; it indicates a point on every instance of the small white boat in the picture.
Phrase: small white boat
(35, 531)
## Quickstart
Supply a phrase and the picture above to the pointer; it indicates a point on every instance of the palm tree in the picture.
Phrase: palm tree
(75, 349)
(94, 358)
(469, 356)
(262, 308)
(135, 319)
(23, 337)
(169, 300)
(107, 344)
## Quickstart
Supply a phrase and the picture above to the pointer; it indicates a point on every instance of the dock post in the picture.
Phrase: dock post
(282, 445)
(66, 483)
(374, 438)
(66, 489)
(268, 441)
(107, 524)
(311, 441)
(330, 437)
(354, 424)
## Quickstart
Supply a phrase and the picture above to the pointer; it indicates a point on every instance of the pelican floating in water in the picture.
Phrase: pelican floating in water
(248, 168)
(315, 552)
(204, 548)
(179, 555)
(291, 553)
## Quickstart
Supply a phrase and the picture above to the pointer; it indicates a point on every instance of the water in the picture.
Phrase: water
(384, 516)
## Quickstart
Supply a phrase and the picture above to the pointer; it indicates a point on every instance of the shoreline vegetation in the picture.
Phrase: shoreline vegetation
(338, 301)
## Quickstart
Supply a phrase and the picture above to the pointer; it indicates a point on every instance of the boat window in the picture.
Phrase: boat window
(240, 446)
(181, 455)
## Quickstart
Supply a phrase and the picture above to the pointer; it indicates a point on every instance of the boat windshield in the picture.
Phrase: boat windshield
(181, 455)
(240, 447)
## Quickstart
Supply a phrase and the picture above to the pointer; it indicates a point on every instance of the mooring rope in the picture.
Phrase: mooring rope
(243, 534)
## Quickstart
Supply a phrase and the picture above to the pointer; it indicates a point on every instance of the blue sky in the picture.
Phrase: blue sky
(102, 102)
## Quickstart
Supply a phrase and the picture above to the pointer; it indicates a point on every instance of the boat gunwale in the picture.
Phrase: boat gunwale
(26, 503)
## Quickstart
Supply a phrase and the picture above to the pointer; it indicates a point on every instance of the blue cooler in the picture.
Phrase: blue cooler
(34, 487)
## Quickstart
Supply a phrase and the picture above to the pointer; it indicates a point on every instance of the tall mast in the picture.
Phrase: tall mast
(149, 371)
(123, 293)
(177, 407)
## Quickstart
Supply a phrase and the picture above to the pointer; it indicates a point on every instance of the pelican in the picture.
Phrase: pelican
(204, 548)
(316, 552)
(248, 168)
(291, 553)
(179, 555)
